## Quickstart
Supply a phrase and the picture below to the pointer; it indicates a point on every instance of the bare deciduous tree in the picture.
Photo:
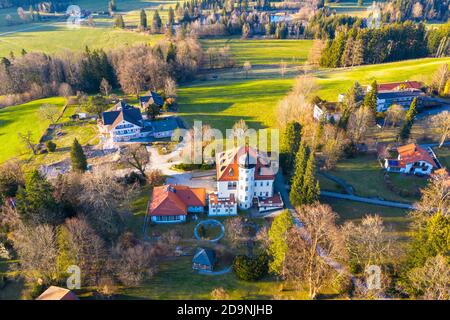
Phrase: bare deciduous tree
(368, 242)
(235, 230)
(435, 196)
(27, 140)
(49, 112)
(394, 115)
(37, 251)
(136, 156)
(133, 265)
(359, 123)
(308, 259)
(105, 87)
(441, 123)
(239, 128)
(88, 250)
(247, 67)
(333, 145)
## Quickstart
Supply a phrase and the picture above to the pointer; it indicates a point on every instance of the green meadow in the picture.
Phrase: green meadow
(221, 103)
(22, 118)
(263, 52)
(333, 82)
(57, 38)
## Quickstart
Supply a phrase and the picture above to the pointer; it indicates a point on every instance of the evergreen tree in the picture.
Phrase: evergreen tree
(171, 17)
(405, 131)
(290, 142)
(370, 99)
(143, 20)
(113, 5)
(77, 156)
(277, 238)
(36, 203)
(296, 193)
(171, 53)
(310, 191)
(118, 22)
(156, 22)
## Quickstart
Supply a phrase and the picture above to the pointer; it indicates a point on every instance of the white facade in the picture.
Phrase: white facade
(222, 206)
(419, 167)
(125, 131)
(169, 219)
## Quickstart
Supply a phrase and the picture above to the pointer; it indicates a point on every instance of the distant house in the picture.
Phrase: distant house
(204, 259)
(150, 99)
(401, 93)
(165, 127)
(404, 98)
(326, 112)
(396, 86)
(57, 293)
(172, 203)
(412, 159)
(123, 123)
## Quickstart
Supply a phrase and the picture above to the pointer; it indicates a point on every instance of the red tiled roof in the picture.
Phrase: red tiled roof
(171, 200)
(215, 200)
(396, 85)
(411, 153)
(227, 165)
(275, 200)
(57, 293)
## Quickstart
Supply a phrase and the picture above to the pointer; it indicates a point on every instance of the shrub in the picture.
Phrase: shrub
(219, 294)
(251, 268)
(155, 178)
(51, 146)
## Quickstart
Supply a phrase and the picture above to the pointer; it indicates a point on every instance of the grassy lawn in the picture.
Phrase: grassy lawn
(222, 103)
(263, 51)
(395, 219)
(176, 280)
(350, 7)
(22, 118)
(56, 38)
(333, 82)
(366, 176)
(443, 155)
(18, 119)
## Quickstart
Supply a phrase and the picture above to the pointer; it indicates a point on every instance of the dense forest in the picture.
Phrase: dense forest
(393, 42)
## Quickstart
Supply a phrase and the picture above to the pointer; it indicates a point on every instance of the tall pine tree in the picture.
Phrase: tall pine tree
(289, 145)
(36, 203)
(405, 131)
(78, 158)
(295, 195)
(143, 20)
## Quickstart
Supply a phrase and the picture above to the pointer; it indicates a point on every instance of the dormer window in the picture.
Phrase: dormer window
(231, 172)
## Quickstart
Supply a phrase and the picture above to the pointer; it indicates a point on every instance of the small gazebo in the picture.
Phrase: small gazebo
(204, 259)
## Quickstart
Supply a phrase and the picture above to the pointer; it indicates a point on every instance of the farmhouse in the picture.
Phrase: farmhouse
(244, 176)
(123, 123)
(412, 159)
(172, 203)
(401, 93)
(150, 99)
(326, 112)
(57, 293)
(204, 259)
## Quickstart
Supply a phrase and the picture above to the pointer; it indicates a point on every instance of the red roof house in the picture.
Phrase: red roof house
(171, 203)
(396, 86)
(412, 159)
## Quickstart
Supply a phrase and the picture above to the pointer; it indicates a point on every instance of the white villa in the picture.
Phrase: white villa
(123, 124)
(244, 178)
(412, 159)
